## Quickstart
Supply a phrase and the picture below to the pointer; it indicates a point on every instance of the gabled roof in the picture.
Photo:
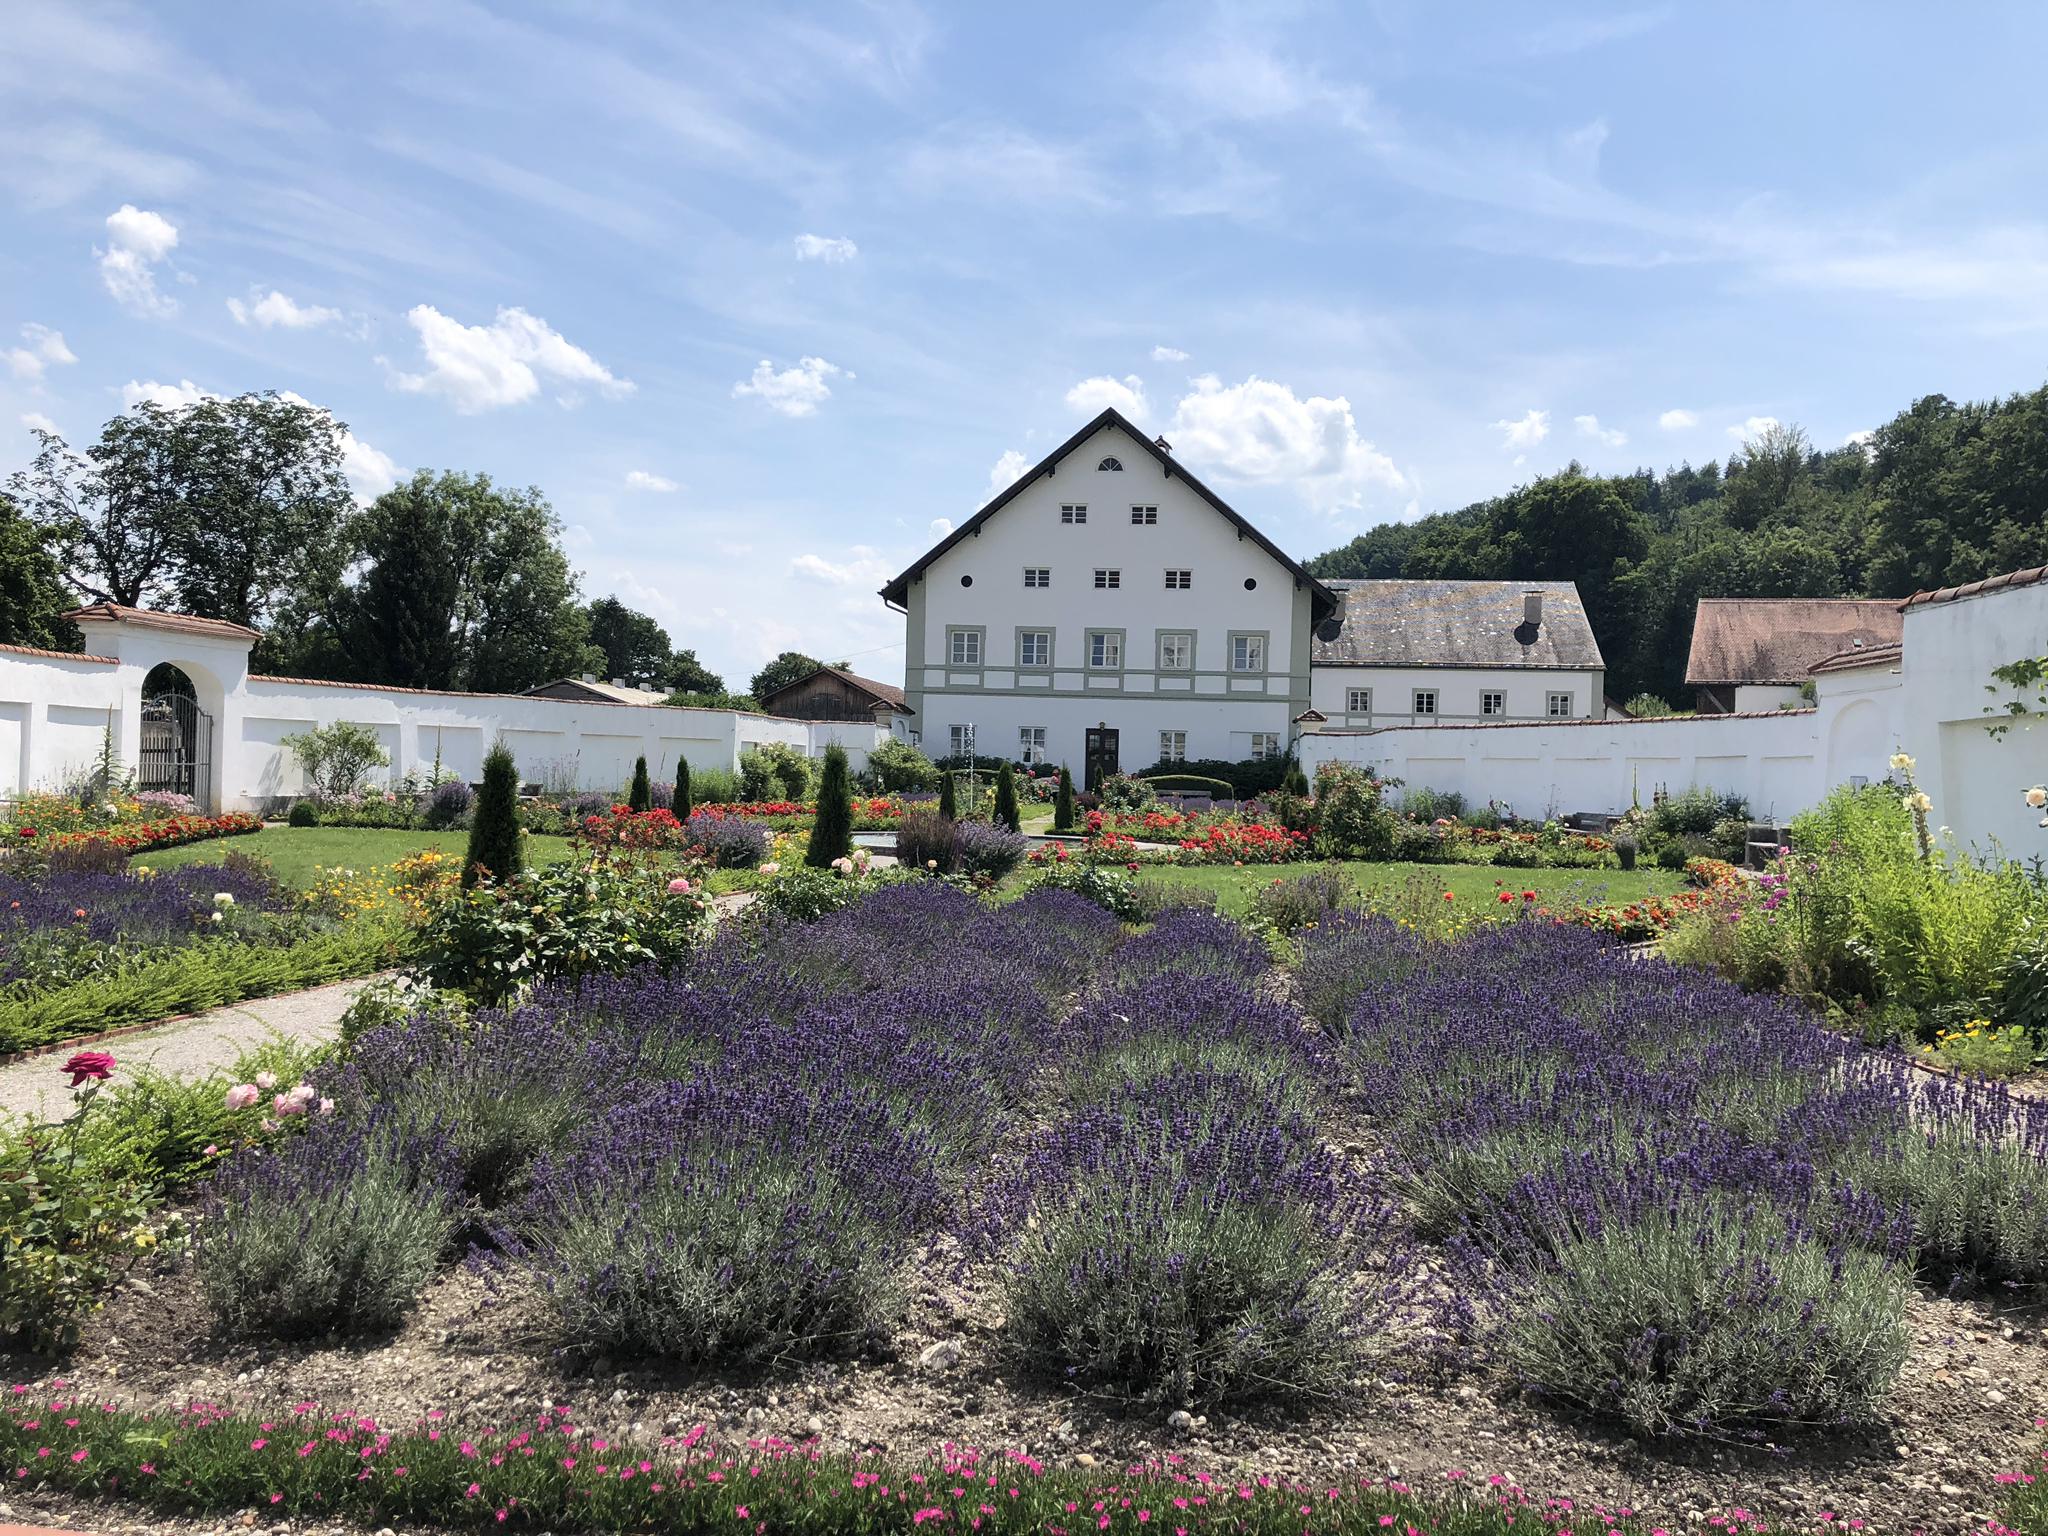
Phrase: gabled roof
(151, 618)
(1978, 588)
(1324, 601)
(1430, 623)
(881, 693)
(1777, 640)
(1861, 656)
(623, 693)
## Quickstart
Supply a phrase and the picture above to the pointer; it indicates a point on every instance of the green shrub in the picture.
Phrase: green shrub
(1121, 792)
(775, 771)
(832, 828)
(1111, 889)
(303, 814)
(1425, 804)
(495, 832)
(1293, 902)
(680, 801)
(1247, 778)
(1693, 813)
(949, 807)
(335, 1233)
(1293, 781)
(1006, 814)
(806, 894)
(337, 757)
(1352, 818)
(1063, 805)
(1672, 856)
(898, 766)
(1708, 1321)
(640, 796)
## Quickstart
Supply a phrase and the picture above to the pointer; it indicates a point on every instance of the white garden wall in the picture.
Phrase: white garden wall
(56, 711)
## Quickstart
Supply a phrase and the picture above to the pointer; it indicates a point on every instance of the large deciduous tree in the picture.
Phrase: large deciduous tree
(32, 594)
(635, 647)
(781, 672)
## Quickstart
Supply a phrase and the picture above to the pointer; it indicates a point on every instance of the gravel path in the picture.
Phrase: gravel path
(191, 1047)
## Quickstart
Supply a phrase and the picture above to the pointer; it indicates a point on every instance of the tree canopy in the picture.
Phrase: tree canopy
(32, 594)
(1941, 494)
(781, 672)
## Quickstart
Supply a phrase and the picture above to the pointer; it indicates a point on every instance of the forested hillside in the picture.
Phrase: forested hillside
(1942, 493)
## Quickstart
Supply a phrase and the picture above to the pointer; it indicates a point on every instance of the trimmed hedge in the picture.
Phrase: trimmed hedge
(1247, 779)
(1192, 783)
(198, 976)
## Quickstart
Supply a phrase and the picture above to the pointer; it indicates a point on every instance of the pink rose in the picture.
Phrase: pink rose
(326, 1106)
(679, 887)
(242, 1096)
(284, 1106)
(266, 1081)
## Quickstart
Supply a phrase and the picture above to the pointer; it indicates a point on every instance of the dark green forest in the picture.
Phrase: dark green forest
(1942, 493)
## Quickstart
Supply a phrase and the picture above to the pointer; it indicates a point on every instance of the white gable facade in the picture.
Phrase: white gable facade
(1107, 612)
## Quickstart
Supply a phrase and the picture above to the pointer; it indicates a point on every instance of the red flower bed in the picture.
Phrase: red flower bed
(1247, 842)
(142, 837)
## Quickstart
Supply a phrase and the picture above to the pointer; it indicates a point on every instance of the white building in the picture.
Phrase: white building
(1443, 652)
(1108, 611)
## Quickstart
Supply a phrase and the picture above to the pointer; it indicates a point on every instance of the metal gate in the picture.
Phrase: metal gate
(177, 747)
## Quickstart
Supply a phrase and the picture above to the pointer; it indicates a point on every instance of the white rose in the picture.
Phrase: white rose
(2037, 796)
(1901, 763)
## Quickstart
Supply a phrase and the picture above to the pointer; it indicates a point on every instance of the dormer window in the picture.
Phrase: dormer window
(1110, 464)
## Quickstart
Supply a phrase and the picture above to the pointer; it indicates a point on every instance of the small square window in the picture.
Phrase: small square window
(1030, 743)
(1179, 581)
(1144, 517)
(1493, 703)
(1173, 746)
(1559, 706)
(1109, 579)
(1070, 512)
(1247, 653)
(964, 648)
(1176, 651)
(1358, 701)
(1034, 647)
(1265, 746)
(1425, 701)
(1037, 576)
(1105, 648)
(961, 739)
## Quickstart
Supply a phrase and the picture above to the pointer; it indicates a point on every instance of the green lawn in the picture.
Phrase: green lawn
(296, 853)
(1467, 882)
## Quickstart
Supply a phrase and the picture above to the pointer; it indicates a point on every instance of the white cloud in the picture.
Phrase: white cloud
(172, 397)
(1756, 426)
(940, 527)
(1589, 426)
(369, 471)
(137, 240)
(1261, 432)
(1531, 429)
(1168, 355)
(483, 367)
(864, 566)
(1126, 394)
(45, 348)
(797, 391)
(1864, 439)
(641, 480)
(1678, 421)
(36, 421)
(277, 309)
(1005, 471)
(830, 249)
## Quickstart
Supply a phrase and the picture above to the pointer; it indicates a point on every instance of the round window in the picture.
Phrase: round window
(1250, 582)
(966, 581)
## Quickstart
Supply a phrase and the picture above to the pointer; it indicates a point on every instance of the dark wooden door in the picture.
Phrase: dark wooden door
(1103, 749)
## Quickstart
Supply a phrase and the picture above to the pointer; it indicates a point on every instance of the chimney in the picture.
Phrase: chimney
(1532, 609)
(590, 677)
(618, 682)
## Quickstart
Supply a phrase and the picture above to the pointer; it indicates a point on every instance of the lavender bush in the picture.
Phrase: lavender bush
(731, 842)
(985, 849)
(1294, 902)
(446, 805)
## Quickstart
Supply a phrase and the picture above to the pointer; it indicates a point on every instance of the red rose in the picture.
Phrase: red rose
(89, 1066)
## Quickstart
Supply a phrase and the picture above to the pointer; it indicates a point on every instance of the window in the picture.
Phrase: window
(1493, 703)
(1110, 464)
(1109, 579)
(1559, 706)
(1265, 746)
(1176, 651)
(1030, 743)
(1357, 701)
(961, 739)
(1037, 576)
(1071, 513)
(1179, 581)
(1173, 746)
(1247, 653)
(1144, 517)
(1105, 648)
(963, 647)
(1424, 702)
(1034, 647)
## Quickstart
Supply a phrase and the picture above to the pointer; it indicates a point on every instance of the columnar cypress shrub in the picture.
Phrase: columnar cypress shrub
(1294, 781)
(948, 808)
(832, 829)
(494, 834)
(1006, 799)
(641, 796)
(1063, 807)
(680, 802)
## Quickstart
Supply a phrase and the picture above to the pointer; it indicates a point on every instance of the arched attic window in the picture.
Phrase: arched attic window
(1110, 464)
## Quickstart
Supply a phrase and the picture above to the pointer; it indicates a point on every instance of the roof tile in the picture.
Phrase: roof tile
(1777, 640)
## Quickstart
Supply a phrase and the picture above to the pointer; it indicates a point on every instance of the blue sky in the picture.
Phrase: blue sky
(762, 295)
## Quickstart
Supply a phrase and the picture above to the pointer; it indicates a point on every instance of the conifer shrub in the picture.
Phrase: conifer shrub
(832, 829)
(1063, 805)
(494, 833)
(1006, 814)
(679, 800)
(641, 796)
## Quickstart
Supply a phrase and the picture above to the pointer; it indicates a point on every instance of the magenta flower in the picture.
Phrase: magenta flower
(89, 1066)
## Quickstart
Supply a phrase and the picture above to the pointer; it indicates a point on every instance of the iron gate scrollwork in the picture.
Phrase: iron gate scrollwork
(177, 747)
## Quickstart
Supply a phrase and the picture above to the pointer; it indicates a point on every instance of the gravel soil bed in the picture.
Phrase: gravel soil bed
(479, 1347)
